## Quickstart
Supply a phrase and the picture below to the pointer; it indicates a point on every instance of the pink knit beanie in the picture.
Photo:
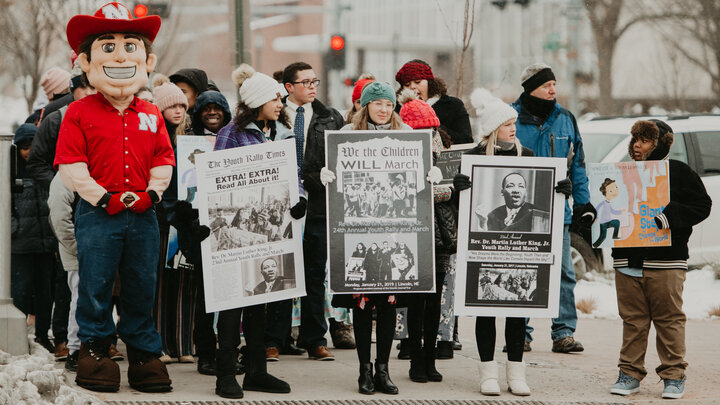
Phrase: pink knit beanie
(54, 81)
(167, 95)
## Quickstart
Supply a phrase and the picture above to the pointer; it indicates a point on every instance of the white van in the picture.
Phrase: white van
(697, 143)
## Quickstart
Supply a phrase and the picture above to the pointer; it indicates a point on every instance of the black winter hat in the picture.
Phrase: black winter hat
(197, 78)
(24, 134)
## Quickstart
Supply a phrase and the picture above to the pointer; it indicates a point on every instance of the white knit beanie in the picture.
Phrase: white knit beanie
(256, 88)
(492, 111)
(167, 95)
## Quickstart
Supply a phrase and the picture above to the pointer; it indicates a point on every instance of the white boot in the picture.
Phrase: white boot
(489, 378)
(516, 378)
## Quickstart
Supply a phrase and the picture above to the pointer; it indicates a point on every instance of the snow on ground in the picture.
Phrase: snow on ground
(699, 296)
(32, 379)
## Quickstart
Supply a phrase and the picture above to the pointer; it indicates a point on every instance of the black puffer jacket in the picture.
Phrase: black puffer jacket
(323, 119)
(42, 154)
(30, 227)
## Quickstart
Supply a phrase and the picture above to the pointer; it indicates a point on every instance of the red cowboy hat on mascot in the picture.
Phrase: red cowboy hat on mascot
(112, 17)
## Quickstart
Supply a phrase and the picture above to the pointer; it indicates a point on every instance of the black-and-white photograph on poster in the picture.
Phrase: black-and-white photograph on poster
(511, 199)
(254, 253)
(510, 237)
(372, 196)
(381, 257)
(380, 212)
(250, 216)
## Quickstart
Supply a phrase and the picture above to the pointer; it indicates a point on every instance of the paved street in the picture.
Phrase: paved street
(552, 377)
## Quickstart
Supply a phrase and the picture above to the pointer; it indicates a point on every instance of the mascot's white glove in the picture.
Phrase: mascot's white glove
(434, 175)
(326, 176)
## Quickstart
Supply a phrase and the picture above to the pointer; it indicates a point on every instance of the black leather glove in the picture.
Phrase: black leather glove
(584, 215)
(564, 186)
(201, 232)
(461, 182)
(184, 212)
(298, 210)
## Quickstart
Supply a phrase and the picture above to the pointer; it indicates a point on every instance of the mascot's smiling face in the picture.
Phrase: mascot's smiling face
(118, 65)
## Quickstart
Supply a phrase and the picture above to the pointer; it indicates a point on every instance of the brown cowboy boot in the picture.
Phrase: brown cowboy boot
(146, 372)
(95, 370)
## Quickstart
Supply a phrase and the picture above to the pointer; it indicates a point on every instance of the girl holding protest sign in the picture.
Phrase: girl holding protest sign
(376, 113)
(258, 118)
(497, 121)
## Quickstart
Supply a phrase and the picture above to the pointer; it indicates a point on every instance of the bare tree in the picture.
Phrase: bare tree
(27, 31)
(604, 18)
(694, 31)
(461, 49)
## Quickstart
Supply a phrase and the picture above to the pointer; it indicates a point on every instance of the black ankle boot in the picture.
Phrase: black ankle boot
(432, 373)
(404, 349)
(418, 372)
(228, 387)
(382, 380)
(365, 381)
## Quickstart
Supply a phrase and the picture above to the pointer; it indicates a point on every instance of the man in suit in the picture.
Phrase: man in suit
(517, 214)
(272, 281)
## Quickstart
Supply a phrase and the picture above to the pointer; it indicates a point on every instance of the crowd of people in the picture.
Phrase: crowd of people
(92, 222)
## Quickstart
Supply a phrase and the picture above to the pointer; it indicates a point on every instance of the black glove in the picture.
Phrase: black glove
(201, 232)
(184, 212)
(564, 186)
(298, 210)
(461, 182)
(584, 215)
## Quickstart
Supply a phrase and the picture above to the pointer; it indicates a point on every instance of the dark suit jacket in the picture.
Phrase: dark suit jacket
(277, 286)
(521, 223)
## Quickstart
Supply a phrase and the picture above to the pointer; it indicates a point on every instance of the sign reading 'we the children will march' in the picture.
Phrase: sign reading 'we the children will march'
(628, 196)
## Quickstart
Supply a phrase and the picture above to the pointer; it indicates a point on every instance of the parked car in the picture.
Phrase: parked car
(697, 143)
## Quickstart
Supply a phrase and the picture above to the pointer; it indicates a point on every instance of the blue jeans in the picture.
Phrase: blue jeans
(313, 325)
(566, 322)
(127, 242)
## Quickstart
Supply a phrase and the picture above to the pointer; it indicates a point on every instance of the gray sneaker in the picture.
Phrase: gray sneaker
(625, 385)
(674, 389)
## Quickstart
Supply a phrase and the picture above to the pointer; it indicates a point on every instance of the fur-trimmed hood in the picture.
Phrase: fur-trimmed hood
(656, 131)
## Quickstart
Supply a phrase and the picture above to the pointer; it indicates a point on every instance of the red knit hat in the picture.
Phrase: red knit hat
(112, 17)
(419, 114)
(413, 71)
(359, 85)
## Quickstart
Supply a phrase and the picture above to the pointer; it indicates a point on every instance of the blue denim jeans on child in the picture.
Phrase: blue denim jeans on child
(127, 243)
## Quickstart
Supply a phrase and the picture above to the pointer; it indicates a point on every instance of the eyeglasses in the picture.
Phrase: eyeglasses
(308, 83)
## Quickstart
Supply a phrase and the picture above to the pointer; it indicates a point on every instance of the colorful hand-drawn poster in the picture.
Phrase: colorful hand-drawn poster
(627, 197)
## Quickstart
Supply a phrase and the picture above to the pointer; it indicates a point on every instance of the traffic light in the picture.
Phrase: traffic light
(158, 8)
(336, 54)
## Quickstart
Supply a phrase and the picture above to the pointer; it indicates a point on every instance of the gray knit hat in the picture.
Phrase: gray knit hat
(535, 75)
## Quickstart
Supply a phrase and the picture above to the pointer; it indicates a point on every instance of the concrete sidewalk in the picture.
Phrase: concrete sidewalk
(552, 377)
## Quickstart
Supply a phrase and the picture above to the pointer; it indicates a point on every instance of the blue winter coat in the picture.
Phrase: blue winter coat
(558, 136)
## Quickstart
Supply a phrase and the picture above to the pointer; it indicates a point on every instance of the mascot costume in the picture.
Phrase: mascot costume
(114, 151)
